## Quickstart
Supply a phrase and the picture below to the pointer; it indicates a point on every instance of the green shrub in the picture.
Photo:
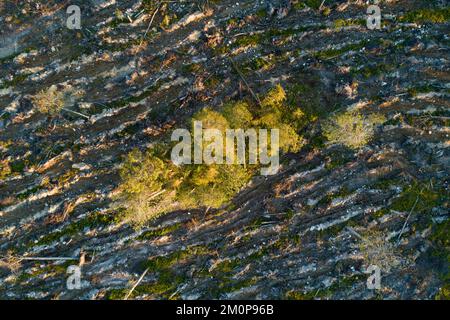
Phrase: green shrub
(238, 114)
(444, 293)
(273, 115)
(304, 105)
(5, 169)
(145, 172)
(148, 184)
(377, 250)
(49, 101)
(211, 120)
(274, 98)
(152, 185)
(351, 128)
(213, 185)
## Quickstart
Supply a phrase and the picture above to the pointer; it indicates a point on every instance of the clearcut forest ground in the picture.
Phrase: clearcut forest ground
(308, 232)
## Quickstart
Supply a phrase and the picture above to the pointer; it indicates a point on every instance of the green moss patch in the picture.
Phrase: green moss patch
(427, 16)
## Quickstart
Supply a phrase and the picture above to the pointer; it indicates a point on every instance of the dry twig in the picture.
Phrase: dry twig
(406, 222)
(245, 81)
(136, 284)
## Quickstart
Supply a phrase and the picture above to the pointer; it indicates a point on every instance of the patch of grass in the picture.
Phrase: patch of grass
(441, 235)
(334, 53)
(427, 16)
(313, 4)
(17, 80)
(248, 40)
(339, 285)
(374, 70)
(261, 13)
(76, 50)
(297, 295)
(426, 197)
(129, 130)
(48, 271)
(414, 91)
(338, 158)
(384, 183)
(162, 288)
(162, 263)
(236, 285)
(149, 6)
(168, 279)
(255, 39)
(17, 166)
(340, 23)
(380, 213)
(92, 220)
(441, 241)
(27, 193)
(212, 82)
(224, 273)
(444, 293)
(343, 192)
(304, 104)
(329, 197)
(326, 11)
(151, 234)
(226, 270)
(254, 225)
(258, 64)
(193, 68)
(131, 99)
(227, 266)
